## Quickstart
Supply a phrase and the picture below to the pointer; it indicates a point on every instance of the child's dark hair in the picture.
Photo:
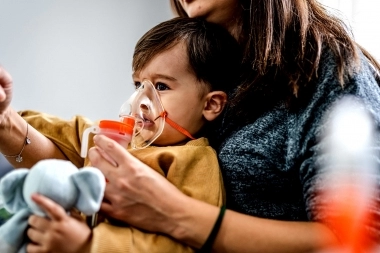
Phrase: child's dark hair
(214, 55)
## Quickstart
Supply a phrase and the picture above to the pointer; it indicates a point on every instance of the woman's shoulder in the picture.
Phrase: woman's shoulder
(356, 66)
(359, 81)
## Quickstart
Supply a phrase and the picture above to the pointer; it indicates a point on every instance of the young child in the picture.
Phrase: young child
(192, 65)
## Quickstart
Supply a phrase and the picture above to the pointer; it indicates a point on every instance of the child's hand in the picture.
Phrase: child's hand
(5, 90)
(58, 232)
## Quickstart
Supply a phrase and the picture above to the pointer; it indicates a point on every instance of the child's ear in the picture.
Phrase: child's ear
(214, 104)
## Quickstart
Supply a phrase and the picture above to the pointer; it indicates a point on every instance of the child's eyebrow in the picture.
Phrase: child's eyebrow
(161, 76)
(170, 78)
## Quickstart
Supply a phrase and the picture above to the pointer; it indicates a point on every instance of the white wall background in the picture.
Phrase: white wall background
(363, 16)
(71, 57)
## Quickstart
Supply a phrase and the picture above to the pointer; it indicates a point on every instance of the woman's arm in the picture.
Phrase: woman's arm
(143, 198)
(13, 132)
(243, 233)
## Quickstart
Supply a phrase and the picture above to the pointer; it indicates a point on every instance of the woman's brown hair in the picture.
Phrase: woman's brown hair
(282, 41)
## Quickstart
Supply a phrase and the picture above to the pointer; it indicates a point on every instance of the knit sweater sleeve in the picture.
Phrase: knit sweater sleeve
(310, 128)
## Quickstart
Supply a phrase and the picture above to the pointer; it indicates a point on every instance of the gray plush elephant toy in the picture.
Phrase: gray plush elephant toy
(58, 180)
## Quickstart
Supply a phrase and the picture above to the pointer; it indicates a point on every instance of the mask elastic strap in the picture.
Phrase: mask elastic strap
(164, 115)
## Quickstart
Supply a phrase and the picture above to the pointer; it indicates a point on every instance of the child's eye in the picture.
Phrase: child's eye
(161, 86)
(137, 85)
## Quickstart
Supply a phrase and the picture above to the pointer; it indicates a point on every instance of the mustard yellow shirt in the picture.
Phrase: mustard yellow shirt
(193, 168)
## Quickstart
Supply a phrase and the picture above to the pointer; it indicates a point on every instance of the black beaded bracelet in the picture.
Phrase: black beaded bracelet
(207, 246)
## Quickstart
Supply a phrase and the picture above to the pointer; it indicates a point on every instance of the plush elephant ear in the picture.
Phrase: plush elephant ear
(11, 186)
(91, 184)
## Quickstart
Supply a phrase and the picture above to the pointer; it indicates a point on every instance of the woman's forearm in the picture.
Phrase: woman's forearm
(243, 233)
(140, 196)
(13, 133)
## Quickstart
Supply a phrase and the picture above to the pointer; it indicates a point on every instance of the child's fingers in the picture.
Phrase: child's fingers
(32, 248)
(38, 222)
(52, 209)
(5, 84)
(35, 235)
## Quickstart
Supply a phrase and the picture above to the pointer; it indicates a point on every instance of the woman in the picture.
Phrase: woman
(298, 61)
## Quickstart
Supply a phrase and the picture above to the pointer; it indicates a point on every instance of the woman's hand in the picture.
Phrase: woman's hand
(57, 233)
(5, 90)
(135, 193)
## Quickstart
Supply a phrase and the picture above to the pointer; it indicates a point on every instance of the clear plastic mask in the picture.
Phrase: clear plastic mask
(145, 105)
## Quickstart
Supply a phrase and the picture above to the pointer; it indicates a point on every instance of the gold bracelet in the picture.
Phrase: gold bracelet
(26, 142)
